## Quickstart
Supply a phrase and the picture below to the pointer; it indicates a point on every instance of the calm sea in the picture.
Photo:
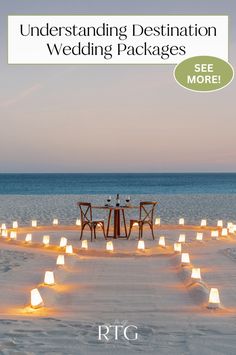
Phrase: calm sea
(45, 196)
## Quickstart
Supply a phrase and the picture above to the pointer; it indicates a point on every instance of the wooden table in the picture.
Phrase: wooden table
(117, 211)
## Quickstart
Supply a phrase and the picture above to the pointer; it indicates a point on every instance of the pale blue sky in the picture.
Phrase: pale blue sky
(112, 118)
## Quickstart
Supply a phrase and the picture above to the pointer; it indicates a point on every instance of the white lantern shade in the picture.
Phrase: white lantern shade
(196, 274)
(55, 222)
(157, 221)
(185, 260)
(229, 225)
(214, 234)
(135, 224)
(28, 238)
(109, 246)
(69, 249)
(220, 223)
(4, 233)
(13, 235)
(49, 278)
(181, 221)
(182, 238)
(36, 299)
(141, 245)
(231, 230)
(203, 223)
(199, 236)
(234, 228)
(3, 226)
(162, 241)
(34, 223)
(78, 222)
(224, 232)
(214, 298)
(84, 244)
(177, 247)
(60, 260)
(63, 242)
(46, 240)
(15, 224)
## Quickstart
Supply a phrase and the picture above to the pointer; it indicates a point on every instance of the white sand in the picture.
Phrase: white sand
(148, 289)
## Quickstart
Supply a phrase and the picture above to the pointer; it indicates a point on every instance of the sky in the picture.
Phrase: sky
(112, 118)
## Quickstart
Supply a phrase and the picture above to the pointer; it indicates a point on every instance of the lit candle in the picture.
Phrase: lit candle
(224, 232)
(15, 224)
(34, 223)
(199, 236)
(214, 298)
(177, 247)
(36, 299)
(84, 244)
(55, 221)
(46, 240)
(49, 278)
(220, 223)
(158, 221)
(60, 260)
(78, 222)
(141, 245)
(28, 238)
(182, 238)
(196, 274)
(162, 241)
(203, 223)
(181, 221)
(69, 249)
(109, 246)
(63, 242)
(185, 260)
(13, 235)
(214, 234)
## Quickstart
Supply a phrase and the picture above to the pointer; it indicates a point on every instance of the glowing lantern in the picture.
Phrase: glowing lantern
(181, 221)
(182, 238)
(158, 221)
(199, 236)
(4, 233)
(135, 224)
(84, 244)
(46, 240)
(34, 223)
(60, 260)
(162, 241)
(69, 249)
(78, 222)
(196, 274)
(234, 228)
(203, 223)
(185, 260)
(3, 226)
(109, 246)
(214, 234)
(231, 230)
(55, 221)
(36, 299)
(214, 298)
(220, 223)
(229, 225)
(141, 245)
(63, 242)
(177, 247)
(224, 232)
(49, 278)
(28, 238)
(15, 224)
(13, 235)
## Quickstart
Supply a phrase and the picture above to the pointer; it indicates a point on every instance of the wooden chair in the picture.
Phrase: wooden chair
(87, 220)
(146, 216)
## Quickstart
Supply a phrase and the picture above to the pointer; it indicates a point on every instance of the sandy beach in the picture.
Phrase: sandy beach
(149, 289)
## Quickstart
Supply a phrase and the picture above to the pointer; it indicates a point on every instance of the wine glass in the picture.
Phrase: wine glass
(108, 200)
(127, 199)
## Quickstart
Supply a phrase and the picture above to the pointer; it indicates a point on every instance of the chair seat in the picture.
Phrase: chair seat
(97, 220)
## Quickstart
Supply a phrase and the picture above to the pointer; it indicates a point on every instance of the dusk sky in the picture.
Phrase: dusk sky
(127, 118)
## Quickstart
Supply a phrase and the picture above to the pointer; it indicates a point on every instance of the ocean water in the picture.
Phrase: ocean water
(24, 197)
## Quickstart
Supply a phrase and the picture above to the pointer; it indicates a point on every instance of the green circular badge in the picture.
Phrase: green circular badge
(204, 73)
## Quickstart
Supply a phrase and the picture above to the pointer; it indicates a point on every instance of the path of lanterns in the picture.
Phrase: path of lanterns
(191, 274)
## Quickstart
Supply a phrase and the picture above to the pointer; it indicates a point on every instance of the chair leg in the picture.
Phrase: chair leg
(91, 229)
(81, 232)
(130, 228)
(94, 231)
(139, 232)
(104, 233)
(153, 237)
(108, 223)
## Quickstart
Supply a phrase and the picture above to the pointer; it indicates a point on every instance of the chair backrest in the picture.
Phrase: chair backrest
(85, 211)
(146, 211)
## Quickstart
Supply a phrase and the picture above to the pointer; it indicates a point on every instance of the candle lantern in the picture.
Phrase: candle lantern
(199, 236)
(13, 235)
(63, 242)
(15, 225)
(182, 238)
(196, 274)
(203, 223)
(28, 238)
(55, 222)
(141, 245)
(185, 260)
(36, 299)
(4, 233)
(84, 244)
(69, 249)
(78, 222)
(214, 234)
(181, 221)
(177, 247)
(220, 223)
(214, 298)
(109, 246)
(157, 221)
(162, 241)
(34, 223)
(224, 232)
(49, 278)
(46, 240)
(60, 260)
